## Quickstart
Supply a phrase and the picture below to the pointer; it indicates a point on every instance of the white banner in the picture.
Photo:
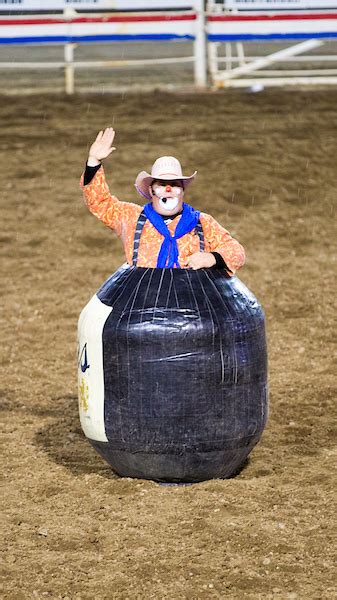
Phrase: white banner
(225, 29)
(50, 5)
(268, 5)
(112, 28)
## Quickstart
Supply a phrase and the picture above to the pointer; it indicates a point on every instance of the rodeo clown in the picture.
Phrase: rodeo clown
(166, 232)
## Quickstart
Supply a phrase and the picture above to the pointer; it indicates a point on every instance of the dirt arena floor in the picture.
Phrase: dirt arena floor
(73, 529)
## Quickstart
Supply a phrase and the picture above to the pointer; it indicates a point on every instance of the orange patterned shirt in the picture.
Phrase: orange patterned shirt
(123, 217)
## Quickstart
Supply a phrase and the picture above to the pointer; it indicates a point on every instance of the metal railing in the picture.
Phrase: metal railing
(232, 24)
(71, 30)
(301, 25)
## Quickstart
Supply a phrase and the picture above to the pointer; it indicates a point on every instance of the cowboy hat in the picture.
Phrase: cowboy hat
(166, 168)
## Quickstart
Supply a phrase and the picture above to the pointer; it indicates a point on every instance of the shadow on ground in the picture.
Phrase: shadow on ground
(65, 443)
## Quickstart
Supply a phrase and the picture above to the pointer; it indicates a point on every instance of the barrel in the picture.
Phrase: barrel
(173, 373)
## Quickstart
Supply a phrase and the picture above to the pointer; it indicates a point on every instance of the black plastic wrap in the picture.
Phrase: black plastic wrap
(185, 373)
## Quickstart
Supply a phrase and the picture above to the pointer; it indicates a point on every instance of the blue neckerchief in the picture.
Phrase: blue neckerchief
(168, 254)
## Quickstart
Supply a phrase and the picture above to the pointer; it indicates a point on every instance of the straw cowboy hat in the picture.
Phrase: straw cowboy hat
(166, 168)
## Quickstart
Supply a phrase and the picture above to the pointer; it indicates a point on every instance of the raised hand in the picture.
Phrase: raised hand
(102, 146)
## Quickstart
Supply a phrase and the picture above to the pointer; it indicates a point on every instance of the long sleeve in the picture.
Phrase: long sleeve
(89, 173)
(105, 206)
(221, 242)
(220, 263)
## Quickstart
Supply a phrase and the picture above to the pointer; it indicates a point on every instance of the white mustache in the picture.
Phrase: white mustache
(168, 203)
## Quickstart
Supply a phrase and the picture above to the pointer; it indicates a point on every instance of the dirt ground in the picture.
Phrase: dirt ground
(73, 529)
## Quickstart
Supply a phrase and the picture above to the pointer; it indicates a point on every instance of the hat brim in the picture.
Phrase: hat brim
(144, 180)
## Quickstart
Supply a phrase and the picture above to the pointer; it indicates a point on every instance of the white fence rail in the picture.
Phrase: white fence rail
(301, 25)
(230, 24)
(71, 30)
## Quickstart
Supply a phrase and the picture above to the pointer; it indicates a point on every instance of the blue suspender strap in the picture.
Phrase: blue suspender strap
(200, 233)
(139, 228)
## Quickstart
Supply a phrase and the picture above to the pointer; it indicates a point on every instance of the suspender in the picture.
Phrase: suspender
(200, 233)
(139, 228)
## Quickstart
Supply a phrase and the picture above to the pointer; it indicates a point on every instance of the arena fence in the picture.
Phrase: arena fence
(71, 29)
(232, 25)
(238, 25)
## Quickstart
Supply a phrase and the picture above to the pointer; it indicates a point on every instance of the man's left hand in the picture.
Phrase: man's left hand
(200, 260)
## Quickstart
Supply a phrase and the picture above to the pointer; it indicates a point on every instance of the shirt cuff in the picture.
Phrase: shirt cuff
(89, 173)
(220, 263)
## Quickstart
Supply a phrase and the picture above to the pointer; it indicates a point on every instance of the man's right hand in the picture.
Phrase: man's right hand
(102, 147)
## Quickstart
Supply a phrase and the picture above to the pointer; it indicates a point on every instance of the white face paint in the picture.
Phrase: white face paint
(167, 198)
(169, 203)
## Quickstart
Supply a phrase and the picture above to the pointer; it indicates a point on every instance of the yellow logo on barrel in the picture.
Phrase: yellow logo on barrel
(83, 395)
